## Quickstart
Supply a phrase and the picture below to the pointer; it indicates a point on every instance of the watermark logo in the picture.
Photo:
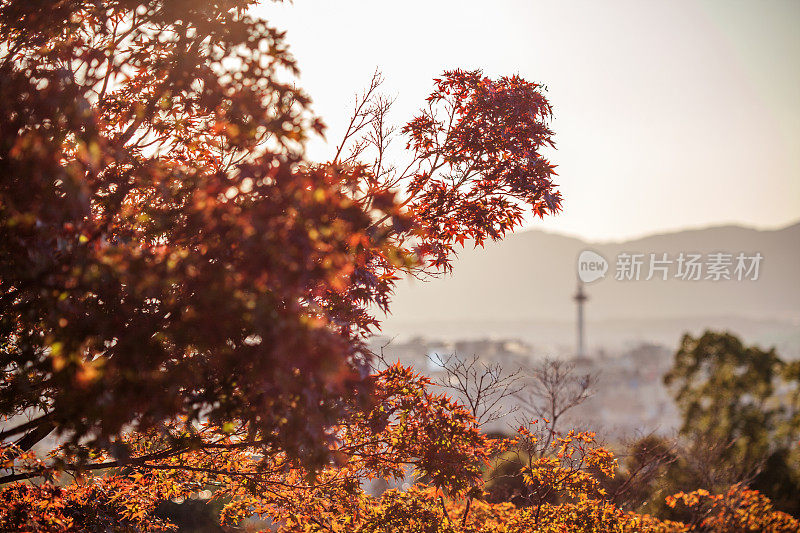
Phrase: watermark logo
(630, 266)
(717, 266)
(591, 266)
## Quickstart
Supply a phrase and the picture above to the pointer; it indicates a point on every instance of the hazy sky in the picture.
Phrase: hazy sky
(667, 114)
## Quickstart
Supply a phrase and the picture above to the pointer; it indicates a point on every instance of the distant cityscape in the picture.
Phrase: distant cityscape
(524, 287)
(515, 304)
(628, 398)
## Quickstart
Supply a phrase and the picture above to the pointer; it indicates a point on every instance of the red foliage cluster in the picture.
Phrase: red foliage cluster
(166, 251)
(480, 143)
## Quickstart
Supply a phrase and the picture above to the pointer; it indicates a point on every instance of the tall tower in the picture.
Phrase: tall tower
(580, 297)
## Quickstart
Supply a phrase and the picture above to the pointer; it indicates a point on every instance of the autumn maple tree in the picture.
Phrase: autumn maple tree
(185, 298)
(168, 252)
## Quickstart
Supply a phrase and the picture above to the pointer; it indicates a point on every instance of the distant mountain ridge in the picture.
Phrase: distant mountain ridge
(531, 277)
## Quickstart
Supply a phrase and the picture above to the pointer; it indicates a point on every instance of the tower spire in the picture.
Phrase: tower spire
(580, 297)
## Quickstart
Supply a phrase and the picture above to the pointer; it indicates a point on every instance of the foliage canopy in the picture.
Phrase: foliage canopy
(184, 297)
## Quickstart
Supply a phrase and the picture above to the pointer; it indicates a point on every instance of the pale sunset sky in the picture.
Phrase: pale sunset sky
(668, 115)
